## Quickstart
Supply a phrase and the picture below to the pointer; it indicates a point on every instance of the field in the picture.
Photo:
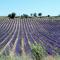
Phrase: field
(17, 35)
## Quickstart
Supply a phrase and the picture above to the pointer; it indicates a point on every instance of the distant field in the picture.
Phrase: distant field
(17, 35)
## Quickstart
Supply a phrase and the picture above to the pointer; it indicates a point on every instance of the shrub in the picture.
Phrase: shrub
(37, 51)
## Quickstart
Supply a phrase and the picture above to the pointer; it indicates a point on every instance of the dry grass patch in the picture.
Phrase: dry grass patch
(50, 57)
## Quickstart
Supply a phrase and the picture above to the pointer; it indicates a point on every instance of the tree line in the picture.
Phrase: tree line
(13, 15)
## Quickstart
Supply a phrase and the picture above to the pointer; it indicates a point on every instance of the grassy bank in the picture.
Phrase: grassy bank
(28, 58)
(38, 53)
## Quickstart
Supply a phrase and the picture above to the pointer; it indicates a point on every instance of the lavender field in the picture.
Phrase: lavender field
(17, 35)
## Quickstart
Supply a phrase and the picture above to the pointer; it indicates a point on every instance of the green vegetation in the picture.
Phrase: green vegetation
(24, 16)
(31, 14)
(9, 15)
(39, 14)
(37, 51)
(12, 15)
(14, 57)
(35, 15)
(48, 15)
(2, 57)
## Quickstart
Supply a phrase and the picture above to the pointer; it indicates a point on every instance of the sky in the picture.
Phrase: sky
(46, 7)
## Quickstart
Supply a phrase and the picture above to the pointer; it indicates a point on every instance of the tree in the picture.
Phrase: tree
(24, 16)
(31, 14)
(9, 15)
(12, 15)
(40, 14)
(35, 15)
(21, 16)
(48, 15)
(59, 15)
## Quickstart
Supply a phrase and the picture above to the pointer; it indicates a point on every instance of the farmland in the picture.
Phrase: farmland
(17, 35)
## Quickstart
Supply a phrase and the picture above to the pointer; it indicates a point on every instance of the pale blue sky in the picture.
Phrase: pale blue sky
(46, 7)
